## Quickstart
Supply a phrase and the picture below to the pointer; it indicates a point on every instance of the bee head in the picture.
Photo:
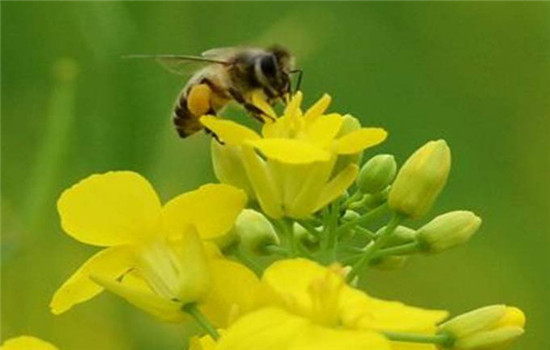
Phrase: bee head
(272, 71)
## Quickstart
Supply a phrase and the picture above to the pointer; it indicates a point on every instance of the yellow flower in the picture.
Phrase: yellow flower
(308, 306)
(26, 342)
(296, 166)
(488, 328)
(154, 256)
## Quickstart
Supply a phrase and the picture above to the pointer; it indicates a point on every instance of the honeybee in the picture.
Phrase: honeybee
(230, 74)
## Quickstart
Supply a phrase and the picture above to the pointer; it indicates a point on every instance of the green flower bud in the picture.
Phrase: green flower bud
(377, 174)
(421, 179)
(490, 327)
(388, 263)
(349, 124)
(305, 236)
(255, 232)
(447, 231)
(350, 215)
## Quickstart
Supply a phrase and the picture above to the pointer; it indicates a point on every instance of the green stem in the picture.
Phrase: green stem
(374, 246)
(289, 233)
(441, 339)
(250, 263)
(204, 322)
(363, 219)
(332, 234)
(364, 232)
(405, 249)
(353, 198)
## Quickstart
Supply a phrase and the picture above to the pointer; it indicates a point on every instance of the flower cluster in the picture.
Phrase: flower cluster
(271, 257)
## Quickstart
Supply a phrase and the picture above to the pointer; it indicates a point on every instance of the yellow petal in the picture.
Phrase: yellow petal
(26, 342)
(292, 109)
(278, 128)
(227, 162)
(259, 100)
(229, 132)
(263, 183)
(212, 209)
(202, 343)
(234, 292)
(114, 208)
(305, 183)
(110, 263)
(324, 129)
(318, 108)
(336, 187)
(137, 293)
(290, 150)
(322, 338)
(362, 311)
(265, 329)
(284, 286)
(356, 141)
(176, 269)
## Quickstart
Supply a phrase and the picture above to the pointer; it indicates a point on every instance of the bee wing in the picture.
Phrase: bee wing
(221, 53)
(180, 64)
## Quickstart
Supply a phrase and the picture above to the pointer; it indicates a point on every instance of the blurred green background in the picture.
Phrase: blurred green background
(476, 74)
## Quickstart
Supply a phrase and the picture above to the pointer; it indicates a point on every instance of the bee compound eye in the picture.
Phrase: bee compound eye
(268, 66)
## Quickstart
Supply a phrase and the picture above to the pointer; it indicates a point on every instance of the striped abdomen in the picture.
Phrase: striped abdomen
(185, 122)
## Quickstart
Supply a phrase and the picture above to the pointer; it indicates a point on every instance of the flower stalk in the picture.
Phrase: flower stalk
(438, 339)
(374, 247)
(201, 320)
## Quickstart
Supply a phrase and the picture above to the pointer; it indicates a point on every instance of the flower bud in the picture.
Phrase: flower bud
(421, 179)
(350, 215)
(255, 231)
(307, 239)
(490, 327)
(388, 263)
(447, 231)
(377, 173)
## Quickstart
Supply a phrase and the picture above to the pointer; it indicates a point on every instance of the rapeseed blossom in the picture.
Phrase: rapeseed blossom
(298, 164)
(154, 256)
(308, 306)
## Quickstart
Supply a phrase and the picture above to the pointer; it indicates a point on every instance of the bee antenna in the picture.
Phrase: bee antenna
(300, 75)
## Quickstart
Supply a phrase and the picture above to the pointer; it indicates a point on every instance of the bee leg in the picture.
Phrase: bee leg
(216, 89)
(256, 112)
(214, 135)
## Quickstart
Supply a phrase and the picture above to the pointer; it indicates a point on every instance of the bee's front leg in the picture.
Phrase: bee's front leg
(214, 136)
(256, 112)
